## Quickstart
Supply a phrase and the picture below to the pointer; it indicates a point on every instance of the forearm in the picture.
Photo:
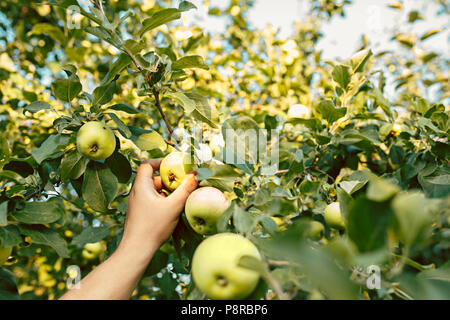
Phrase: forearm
(116, 278)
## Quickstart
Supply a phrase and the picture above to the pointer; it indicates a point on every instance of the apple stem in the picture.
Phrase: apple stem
(200, 221)
(94, 148)
(222, 281)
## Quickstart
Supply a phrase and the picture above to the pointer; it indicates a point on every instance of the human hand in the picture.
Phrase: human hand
(151, 217)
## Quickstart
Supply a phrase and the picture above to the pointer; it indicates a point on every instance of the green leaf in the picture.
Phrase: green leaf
(40, 212)
(381, 101)
(360, 59)
(252, 263)
(435, 183)
(352, 186)
(47, 237)
(441, 274)
(203, 174)
(261, 196)
(54, 32)
(193, 43)
(368, 222)
(116, 68)
(125, 108)
(3, 213)
(9, 236)
(222, 178)
(133, 46)
(429, 34)
(223, 224)
(101, 33)
(120, 166)
(100, 186)
(188, 62)
(8, 285)
(342, 76)
(244, 133)
(310, 188)
(4, 151)
(147, 140)
(123, 129)
(329, 112)
(21, 166)
(242, 220)
(159, 261)
(73, 165)
(67, 89)
(381, 190)
(203, 110)
(427, 285)
(186, 5)
(187, 104)
(37, 106)
(104, 94)
(159, 18)
(91, 235)
(413, 218)
(49, 148)
(345, 202)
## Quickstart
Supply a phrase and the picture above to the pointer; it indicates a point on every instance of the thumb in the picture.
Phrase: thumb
(144, 177)
(179, 196)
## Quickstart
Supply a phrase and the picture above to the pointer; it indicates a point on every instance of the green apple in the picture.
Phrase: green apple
(174, 168)
(204, 207)
(316, 230)
(4, 254)
(333, 216)
(215, 268)
(96, 141)
(92, 251)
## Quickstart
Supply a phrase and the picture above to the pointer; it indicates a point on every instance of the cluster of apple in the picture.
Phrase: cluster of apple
(215, 264)
(215, 267)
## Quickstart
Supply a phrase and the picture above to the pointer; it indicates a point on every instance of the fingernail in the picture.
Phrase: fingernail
(195, 173)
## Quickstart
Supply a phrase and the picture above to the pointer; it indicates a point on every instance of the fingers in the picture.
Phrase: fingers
(157, 182)
(180, 195)
(144, 176)
(155, 163)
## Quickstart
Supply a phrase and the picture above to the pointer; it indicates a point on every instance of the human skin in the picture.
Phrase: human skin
(151, 219)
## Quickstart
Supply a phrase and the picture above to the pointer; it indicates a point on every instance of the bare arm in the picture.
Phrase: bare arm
(151, 220)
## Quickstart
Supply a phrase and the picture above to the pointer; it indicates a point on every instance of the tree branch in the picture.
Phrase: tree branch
(163, 115)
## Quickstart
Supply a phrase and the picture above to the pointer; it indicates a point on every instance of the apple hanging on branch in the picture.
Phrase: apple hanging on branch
(174, 167)
(203, 209)
(92, 251)
(215, 268)
(333, 216)
(96, 141)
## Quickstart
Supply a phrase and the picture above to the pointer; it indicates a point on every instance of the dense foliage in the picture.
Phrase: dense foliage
(384, 158)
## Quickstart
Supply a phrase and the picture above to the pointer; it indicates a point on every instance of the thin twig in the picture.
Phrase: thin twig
(163, 115)
(281, 172)
(272, 281)
(40, 189)
(277, 263)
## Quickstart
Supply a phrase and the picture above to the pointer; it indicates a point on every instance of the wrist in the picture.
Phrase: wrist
(137, 250)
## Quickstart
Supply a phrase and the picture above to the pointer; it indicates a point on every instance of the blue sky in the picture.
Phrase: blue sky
(342, 35)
